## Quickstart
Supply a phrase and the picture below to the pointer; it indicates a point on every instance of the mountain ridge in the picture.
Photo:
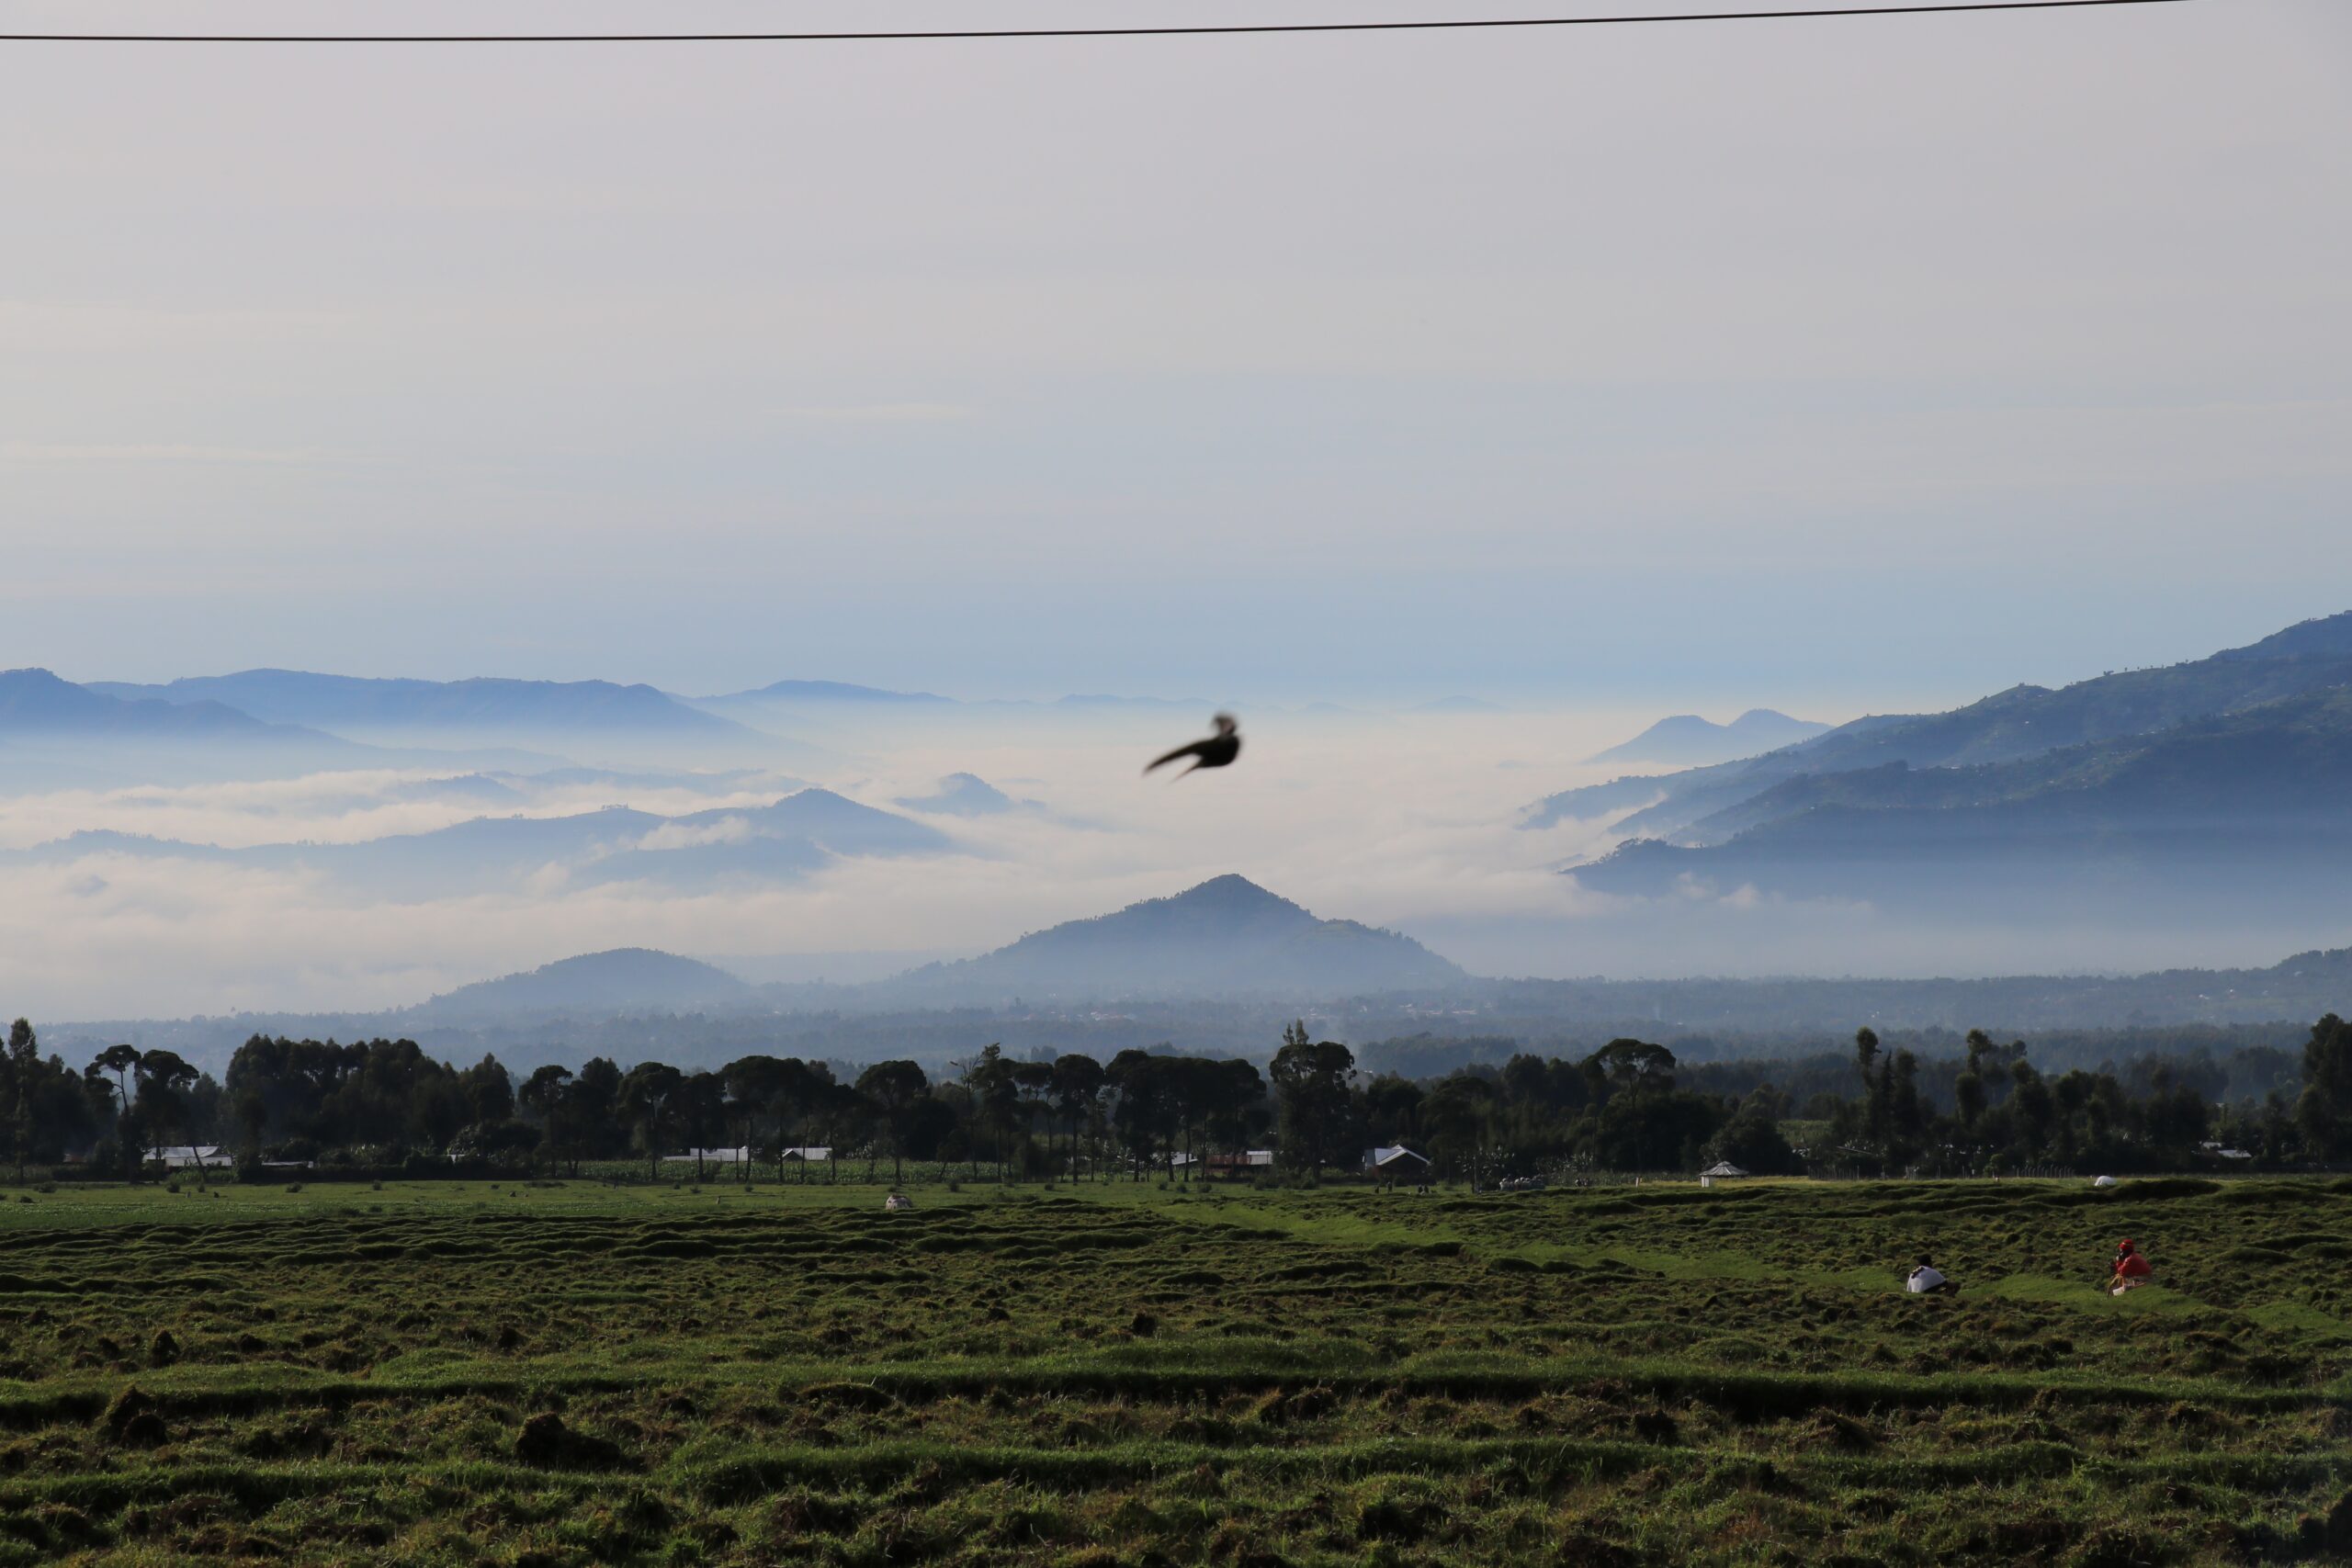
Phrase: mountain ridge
(2017, 723)
(619, 977)
(2239, 809)
(783, 840)
(34, 701)
(1224, 936)
(1690, 739)
(324, 701)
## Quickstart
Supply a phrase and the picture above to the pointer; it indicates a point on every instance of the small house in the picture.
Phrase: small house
(1721, 1170)
(811, 1154)
(1219, 1165)
(1397, 1162)
(190, 1157)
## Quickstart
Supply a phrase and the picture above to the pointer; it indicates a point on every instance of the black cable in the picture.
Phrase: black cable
(1066, 33)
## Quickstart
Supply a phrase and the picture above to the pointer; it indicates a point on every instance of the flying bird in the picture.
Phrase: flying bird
(1217, 751)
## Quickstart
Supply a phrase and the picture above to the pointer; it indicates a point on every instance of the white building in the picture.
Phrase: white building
(190, 1157)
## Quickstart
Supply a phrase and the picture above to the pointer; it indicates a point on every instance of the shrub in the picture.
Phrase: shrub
(547, 1442)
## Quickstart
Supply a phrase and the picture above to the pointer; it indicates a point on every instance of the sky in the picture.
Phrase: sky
(1845, 364)
(1834, 366)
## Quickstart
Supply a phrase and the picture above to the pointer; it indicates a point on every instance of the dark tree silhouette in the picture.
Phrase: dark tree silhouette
(1311, 1081)
(895, 1088)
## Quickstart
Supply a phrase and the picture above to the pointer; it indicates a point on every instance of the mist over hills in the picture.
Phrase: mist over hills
(2024, 721)
(2220, 780)
(35, 701)
(2203, 794)
(1226, 937)
(1689, 740)
(483, 702)
(783, 840)
(55, 734)
(966, 794)
(628, 978)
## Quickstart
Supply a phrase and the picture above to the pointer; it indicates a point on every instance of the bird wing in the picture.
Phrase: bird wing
(1191, 750)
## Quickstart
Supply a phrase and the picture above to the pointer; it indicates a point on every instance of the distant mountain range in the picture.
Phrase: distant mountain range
(269, 723)
(35, 702)
(1228, 938)
(55, 734)
(257, 708)
(1688, 741)
(781, 841)
(2225, 777)
(823, 704)
(481, 705)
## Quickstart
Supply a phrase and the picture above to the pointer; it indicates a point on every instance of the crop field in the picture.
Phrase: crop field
(534, 1373)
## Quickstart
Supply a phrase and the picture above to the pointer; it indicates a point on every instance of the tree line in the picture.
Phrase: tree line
(1628, 1106)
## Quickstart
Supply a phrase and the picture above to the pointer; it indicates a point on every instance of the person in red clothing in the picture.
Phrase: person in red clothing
(2131, 1269)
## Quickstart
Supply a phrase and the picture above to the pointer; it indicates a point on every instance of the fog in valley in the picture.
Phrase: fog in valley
(845, 838)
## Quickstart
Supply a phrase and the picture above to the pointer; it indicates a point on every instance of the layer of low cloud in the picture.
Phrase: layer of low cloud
(1402, 820)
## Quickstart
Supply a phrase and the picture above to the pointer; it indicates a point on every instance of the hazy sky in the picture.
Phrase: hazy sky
(1847, 364)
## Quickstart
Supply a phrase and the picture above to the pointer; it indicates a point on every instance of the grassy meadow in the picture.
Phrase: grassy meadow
(574, 1374)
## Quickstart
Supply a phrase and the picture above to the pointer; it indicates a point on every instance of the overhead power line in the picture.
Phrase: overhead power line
(1075, 32)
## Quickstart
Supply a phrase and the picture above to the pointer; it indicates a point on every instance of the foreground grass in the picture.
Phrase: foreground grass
(462, 1373)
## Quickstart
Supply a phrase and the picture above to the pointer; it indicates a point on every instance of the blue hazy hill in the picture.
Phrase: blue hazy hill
(966, 794)
(2235, 813)
(628, 979)
(1688, 741)
(479, 704)
(1228, 936)
(37, 703)
(781, 841)
(2022, 722)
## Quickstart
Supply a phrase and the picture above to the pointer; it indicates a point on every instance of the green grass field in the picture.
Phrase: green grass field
(444, 1372)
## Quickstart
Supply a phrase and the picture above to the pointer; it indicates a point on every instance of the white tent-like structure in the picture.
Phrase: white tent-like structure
(1719, 1171)
(190, 1157)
